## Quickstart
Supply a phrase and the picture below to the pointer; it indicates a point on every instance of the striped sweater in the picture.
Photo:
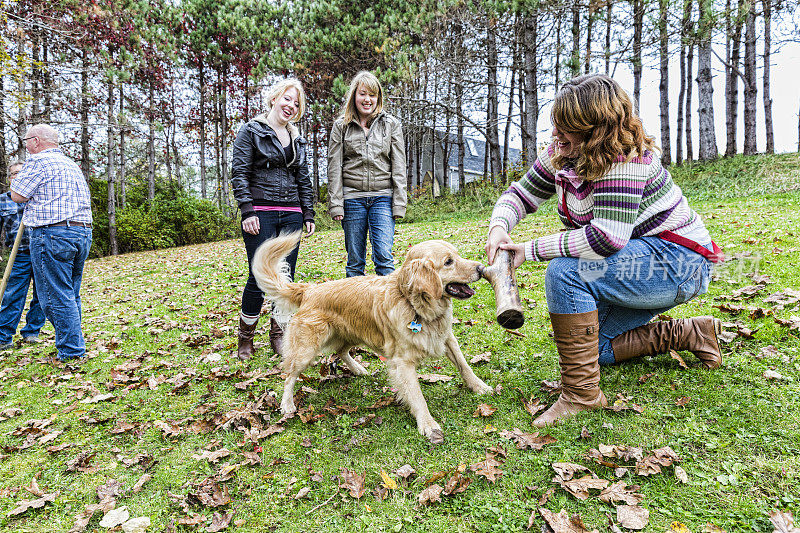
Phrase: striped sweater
(634, 199)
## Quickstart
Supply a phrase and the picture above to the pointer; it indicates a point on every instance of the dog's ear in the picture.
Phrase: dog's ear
(420, 282)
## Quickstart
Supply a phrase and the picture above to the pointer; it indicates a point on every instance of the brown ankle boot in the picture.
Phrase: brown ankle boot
(576, 338)
(245, 348)
(275, 337)
(697, 335)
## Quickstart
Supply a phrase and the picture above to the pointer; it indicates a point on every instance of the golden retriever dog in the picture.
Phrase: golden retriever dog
(405, 316)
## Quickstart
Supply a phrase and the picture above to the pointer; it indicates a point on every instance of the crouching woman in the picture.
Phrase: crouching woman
(632, 247)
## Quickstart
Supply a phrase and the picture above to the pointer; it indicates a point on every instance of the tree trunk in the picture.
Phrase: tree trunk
(689, 85)
(47, 85)
(732, 81)
(315, 155)
(705, 90)
(531, 88)
(638, 30)
(217, 165)
(223, 106)
(121, 178)
(607, 50)
(770, 135)
(575, 57)
(514, 67)
(587, 61)
(36, 76)
(111, 156)
(493, 115)
(203, 179)
(86, 164)
(151, 145)
(681, 92)
(22, 126)
(3, 159)
(557, 69)
(750, 89)
(663, 86)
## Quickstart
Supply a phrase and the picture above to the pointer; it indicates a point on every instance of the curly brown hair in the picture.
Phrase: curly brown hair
(597, 108)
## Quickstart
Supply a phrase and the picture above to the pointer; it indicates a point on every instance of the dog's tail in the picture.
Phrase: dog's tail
(272, 275)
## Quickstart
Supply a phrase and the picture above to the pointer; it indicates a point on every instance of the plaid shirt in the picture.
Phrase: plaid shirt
(56, 188)
(10, 217)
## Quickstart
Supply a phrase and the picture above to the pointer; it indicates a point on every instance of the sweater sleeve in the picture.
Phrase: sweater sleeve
(526, 195)
(616, 198)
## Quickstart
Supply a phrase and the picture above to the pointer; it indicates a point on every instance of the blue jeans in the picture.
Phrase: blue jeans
(14, 301)
(58, 254)
(647, 277)
(371, 215)
(272, 223)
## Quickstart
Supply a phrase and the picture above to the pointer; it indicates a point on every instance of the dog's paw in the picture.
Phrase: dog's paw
(481, 388)
(436, 436)
(433, 432)
(288, 408)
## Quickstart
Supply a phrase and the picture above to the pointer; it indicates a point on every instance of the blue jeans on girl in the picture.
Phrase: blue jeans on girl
(647, 277)
(371, 215)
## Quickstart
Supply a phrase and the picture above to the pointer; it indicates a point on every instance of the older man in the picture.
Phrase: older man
(20, 276)
(59, 214)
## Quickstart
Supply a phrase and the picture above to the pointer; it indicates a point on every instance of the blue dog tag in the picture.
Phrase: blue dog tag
(415, 326)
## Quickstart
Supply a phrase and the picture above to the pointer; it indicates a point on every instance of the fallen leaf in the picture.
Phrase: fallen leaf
(772, 374)
(209, 493)
(136, 525)
(434, 378)
(98, 398)
(551, 387)
(488, 468)
(456, 484)
(484, 410)
(430, 495)
(213, 457)
(580, 487)
(711, 528)
(621, 492)
(680, 473)
(405, 472)
(683, 401)
(388, 482)
(34, 489)
(352, 482)
(81, 462)
(220, 521)
(528, 440)
(679, 359)
(633, 516)
(481, 358)
(140, 483)
(302, 493)
(38, 503)
(563, 523)
(584, 434)
(532, 405)
(783, 522)
(566, 471)
(110, 490)
(115, 517)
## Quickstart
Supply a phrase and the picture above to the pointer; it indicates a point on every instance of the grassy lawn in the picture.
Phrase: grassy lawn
(162, 391)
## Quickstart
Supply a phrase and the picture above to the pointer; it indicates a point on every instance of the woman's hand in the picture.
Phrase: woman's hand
(310, 227)
(497, 237)
(251, 225)
(519, 252)
(338, 218)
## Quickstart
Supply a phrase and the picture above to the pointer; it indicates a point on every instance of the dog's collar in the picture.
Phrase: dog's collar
(415, 325)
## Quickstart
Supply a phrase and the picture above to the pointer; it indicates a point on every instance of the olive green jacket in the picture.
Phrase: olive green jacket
(372, 164)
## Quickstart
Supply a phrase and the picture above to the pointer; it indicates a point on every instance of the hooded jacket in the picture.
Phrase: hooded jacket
(372, 163)
(262, 176)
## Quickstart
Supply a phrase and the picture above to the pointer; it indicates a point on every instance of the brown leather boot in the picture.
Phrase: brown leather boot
(275, 337)
(247, 331)
(697, 335)
(576, 338)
